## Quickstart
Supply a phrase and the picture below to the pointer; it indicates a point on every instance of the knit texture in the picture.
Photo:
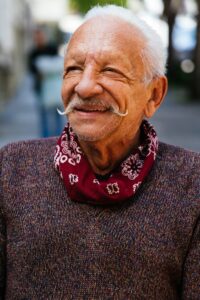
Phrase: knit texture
(54, 248)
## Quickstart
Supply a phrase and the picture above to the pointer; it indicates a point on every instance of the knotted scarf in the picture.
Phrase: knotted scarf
(83, 185)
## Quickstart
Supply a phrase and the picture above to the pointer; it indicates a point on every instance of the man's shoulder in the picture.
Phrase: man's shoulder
(173, 153)
(29, 147)
(179, 161)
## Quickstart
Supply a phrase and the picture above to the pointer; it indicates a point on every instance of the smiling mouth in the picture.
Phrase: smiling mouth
(91, 109)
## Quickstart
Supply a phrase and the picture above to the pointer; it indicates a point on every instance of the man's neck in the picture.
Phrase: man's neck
(104, 156)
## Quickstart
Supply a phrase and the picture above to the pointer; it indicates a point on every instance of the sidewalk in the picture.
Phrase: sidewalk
(177, 122)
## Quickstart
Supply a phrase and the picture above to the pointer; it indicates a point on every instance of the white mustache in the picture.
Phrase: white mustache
(89, 103)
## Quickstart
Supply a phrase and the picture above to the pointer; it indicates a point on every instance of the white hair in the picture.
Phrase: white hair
(154, 54)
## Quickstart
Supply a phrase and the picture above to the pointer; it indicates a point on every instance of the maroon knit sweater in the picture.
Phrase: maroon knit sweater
(54, 248)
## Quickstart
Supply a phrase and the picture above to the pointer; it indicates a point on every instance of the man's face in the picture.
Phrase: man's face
(103, 68)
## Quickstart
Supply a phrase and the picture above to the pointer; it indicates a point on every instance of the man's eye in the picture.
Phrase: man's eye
(111, 70)
(72, 69)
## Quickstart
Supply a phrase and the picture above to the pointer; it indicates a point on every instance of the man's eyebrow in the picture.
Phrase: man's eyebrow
(74, 57)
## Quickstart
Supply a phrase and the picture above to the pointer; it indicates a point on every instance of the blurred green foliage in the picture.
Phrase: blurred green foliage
(82, 6)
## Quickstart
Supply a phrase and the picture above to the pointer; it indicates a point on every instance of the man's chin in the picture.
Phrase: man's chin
(90, 135)
(94, 130)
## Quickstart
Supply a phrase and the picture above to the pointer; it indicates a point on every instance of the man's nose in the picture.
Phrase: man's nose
(88, 86)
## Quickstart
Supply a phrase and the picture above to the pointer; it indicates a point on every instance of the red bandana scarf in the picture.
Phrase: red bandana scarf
(83, 185)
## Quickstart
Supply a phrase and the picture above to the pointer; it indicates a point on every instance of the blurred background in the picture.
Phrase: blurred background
(33, 35)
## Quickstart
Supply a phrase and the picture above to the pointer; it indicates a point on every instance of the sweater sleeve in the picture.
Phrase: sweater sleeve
(191, 273)
(2, 238)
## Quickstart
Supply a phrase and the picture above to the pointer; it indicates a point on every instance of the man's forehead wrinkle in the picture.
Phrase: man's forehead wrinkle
(94, 47)
(103, 28)
(101, 57)
(109, 42)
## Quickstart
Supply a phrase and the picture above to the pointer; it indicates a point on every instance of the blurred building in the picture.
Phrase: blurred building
(48, 11)
(15, 21)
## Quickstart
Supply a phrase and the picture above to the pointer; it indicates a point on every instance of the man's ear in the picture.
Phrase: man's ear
(158, 89)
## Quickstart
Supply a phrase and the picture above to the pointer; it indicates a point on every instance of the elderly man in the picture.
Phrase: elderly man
(116, 216)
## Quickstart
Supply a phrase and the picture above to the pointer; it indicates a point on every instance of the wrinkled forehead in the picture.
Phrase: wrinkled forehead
(107, 33)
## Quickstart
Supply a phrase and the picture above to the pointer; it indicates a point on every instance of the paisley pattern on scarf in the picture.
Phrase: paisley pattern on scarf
(83, 185)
